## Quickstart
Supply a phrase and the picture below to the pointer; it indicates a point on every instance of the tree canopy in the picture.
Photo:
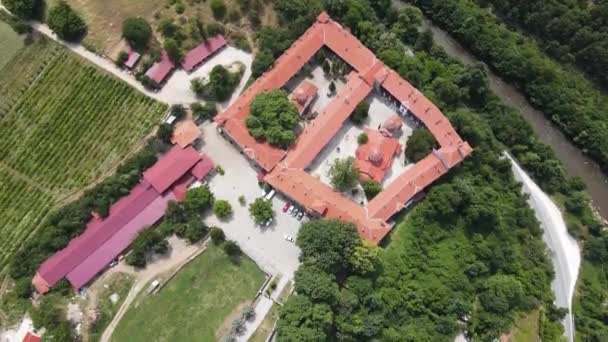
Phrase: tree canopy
(25, 9)
(66, 22)
(261, 210)
(137, 32)
(360, 113)
(222, 209)
(344, 174)
(272, 117)
(419, 145)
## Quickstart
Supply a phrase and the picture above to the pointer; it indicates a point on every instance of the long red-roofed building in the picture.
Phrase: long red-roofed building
(104, 239)
(286, 169)
(201, 52)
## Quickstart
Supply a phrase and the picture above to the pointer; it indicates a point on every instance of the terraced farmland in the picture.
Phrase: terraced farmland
(64, 124)
(10, 45)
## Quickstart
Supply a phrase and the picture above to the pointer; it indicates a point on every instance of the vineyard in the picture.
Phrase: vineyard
(10, 44)
(64, 124)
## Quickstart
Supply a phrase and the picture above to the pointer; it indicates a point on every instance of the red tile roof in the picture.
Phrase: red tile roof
(375, 157)
(173, 164)
(302, 95)
(202, 168)
(133, 57)
(118, 242)
(159, 70)
(185, 132)
(103, 239)
(30, 337)
(286, 168)
(202, 51)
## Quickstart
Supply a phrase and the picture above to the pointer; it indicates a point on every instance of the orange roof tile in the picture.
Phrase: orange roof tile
(184, 133)
(385, 147)
(320, 131)
(321, 198)
(302, 95)
(289, 176)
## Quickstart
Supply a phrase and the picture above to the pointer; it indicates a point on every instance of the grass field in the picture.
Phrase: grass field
(10, 44)
(194, 304)
(64, 124)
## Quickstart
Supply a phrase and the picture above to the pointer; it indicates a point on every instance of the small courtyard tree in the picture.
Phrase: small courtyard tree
(261, 210)
(344, 174)
(198, 199)
(222, 209)
(360, 113)
(217, 235)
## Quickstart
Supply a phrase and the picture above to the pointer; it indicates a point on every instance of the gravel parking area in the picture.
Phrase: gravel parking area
(267, 245)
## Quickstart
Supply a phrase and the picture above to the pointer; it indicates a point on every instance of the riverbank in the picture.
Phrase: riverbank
(575, 162)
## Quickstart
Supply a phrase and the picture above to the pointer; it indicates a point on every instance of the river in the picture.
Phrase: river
(575, 162)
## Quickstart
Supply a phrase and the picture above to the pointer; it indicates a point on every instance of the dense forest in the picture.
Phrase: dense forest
(446, 213)
(570, 100)
(569, 30)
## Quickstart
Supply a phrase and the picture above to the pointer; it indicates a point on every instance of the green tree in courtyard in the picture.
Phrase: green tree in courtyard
(137, 32)
(419, 145)
(217, 235)
(198, 199)
(360, 113)
(66, 22)
(272, 117)
(371, 188)
(343, 174)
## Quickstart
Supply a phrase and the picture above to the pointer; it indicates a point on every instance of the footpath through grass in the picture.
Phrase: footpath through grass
(194, 305)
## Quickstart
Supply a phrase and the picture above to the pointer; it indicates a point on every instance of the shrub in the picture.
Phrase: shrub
(218, 7)
(261, 210)
(195, 230)
(217, 235)
(332, 88)
(222, 209)
(204, 112)
(371, 188)
(219, 169)
(232, 248)
(242, 200)
(66, 22)
(360, 113)
(221, 84)
(122, 58)
(180, 8)
(164, 133)
(178, 111)
(174, 51)
(137, 32)
(362, 139)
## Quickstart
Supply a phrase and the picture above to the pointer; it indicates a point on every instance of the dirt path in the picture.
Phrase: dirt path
(180, 254)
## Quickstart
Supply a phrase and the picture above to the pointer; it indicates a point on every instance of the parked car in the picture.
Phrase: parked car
(286, 207)
(295, 212)
(291, 209)
(267, 223)
(300, 215)
(289, 238)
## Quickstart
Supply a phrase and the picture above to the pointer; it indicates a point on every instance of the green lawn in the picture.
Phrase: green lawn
(194, 304)
(10, 44)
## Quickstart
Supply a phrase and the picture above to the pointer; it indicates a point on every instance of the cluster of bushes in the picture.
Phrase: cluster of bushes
(70, 221)
(66, 22)
(137, 32)
(148, 241)
(419, 145)
(202, 112)
(220, 86)
(272, 117)
(571, 101)
(25, 9)
(571, 31)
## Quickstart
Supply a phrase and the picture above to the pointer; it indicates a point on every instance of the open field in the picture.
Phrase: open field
(119, 284)
(205, 292)
(10, 43)
(104, 18)
(64, 124)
